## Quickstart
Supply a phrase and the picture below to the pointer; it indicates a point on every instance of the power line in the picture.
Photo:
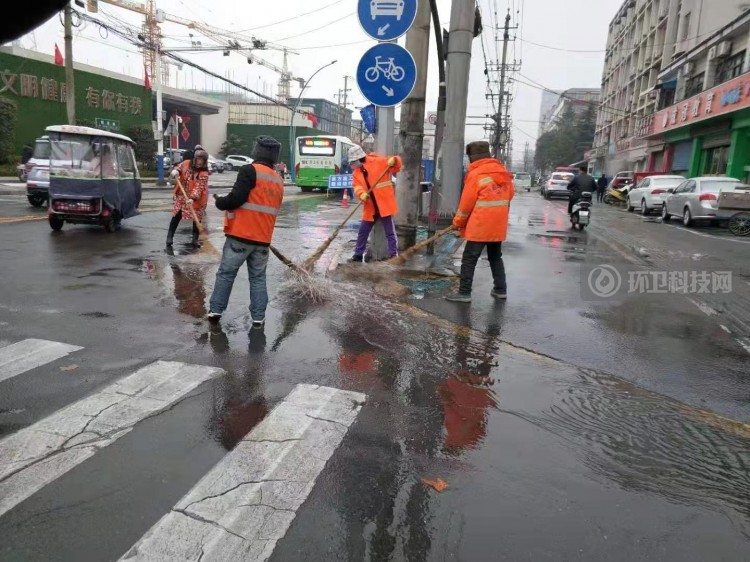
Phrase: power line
(292, 18)
(317, 28)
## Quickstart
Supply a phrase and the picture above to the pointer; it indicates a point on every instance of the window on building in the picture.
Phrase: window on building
(730, 67)
(666, 99)
(716, 160)
(685, 27)
(694, 85)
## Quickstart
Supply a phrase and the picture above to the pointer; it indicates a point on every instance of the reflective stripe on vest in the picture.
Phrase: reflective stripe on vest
(503, 203)
(462, 215)
(388, 183)
(486, 181)
(260, 208)
(269, 177)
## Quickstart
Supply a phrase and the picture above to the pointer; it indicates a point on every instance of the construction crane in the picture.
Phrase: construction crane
(229, 40)
(151, 35)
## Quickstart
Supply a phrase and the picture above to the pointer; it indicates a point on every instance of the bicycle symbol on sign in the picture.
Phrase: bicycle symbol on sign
(390, 70)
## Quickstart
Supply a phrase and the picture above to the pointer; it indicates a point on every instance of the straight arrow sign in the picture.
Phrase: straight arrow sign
(382, 30)
(388, 91)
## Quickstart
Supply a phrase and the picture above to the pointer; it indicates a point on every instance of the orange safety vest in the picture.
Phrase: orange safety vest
(383, 191)
(256, 219)
(485, 202)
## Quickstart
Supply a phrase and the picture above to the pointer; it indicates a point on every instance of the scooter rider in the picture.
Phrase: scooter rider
(581, 183)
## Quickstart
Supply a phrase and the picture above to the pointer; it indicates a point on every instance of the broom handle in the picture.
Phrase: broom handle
(417, 247)
(192, 211)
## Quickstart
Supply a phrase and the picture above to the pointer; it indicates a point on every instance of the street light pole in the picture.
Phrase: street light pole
(291, 120)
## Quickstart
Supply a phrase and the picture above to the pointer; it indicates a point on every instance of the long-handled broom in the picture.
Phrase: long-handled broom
(401, 258)
(309, 262)
(201, 229)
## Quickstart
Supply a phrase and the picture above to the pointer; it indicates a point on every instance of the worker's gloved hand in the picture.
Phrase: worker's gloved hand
(174, 173)
(364, 196)
(391, 161)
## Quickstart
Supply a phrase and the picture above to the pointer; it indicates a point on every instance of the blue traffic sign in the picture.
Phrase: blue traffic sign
(386, 20)
(386, 74)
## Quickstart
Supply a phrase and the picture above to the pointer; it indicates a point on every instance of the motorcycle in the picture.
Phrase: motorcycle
(618, 196)
(580, 216)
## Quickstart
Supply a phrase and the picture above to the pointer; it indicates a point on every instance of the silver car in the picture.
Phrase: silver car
(557, 186)
(696, 199)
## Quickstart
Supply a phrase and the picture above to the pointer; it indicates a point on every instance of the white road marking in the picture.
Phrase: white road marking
(745, 343)
(25, 355)
(704, 308)
(712, 236)
(35, 456)
(246, 503)
(727, 330)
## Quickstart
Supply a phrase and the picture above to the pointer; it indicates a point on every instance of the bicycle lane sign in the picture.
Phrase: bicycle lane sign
(386, 74)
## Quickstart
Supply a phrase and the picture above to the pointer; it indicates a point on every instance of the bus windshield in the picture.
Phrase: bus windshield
(317, 146)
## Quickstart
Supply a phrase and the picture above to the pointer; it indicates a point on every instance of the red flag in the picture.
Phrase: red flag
(59, 61)
(313, 119)
(146, 79)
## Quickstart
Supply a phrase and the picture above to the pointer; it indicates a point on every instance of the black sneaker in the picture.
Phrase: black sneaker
(356, 259)
(499, 294)
(258, 324)
(213, 316)
(458, 297)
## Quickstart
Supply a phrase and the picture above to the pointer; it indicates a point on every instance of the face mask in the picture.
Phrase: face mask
(357, 164)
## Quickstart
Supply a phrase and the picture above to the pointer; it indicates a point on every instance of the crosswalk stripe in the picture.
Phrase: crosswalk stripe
(246, 503)
(25, 355)
(35, 456)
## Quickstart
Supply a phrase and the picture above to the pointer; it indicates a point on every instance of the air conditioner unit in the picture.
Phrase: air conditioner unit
(712, 52)
(688, 69)
(724, 49)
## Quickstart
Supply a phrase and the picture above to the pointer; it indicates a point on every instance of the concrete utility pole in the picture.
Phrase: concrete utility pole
(347, 89)
(459, 60)
(411, 132)
(501, 135)
(70, 102)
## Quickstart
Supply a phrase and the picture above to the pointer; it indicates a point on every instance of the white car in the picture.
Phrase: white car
(522, 180)
(696, 199)
(387, 8)
(233, 161)
(650, 193)
(557, 185)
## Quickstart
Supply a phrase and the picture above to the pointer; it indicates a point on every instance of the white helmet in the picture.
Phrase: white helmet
(356, 153)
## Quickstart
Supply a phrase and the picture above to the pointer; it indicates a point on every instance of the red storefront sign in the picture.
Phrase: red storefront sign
(728, 97)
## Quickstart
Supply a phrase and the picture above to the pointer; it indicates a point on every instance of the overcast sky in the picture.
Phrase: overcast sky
(324, 30)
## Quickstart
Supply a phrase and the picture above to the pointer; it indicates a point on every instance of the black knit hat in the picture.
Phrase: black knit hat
(266, 149)
(478, 150)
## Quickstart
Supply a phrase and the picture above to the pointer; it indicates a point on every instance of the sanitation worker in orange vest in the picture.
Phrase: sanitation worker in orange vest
(482, 218)
(373, 184)
(250, 212)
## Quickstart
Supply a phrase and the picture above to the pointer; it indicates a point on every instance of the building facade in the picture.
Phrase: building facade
(701, 124)
(331, 117)
(548, 105)
(646, 37)
(580, 100)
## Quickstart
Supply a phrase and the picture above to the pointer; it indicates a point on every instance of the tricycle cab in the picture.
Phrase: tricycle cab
(94, 178)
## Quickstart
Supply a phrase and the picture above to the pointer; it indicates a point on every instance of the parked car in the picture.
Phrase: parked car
(619, 180)
(696, 199)
(650, 193)
(37, 185)
(40, 156)
(522, 180)
(557, 186)
(215, 165)
(237, 161)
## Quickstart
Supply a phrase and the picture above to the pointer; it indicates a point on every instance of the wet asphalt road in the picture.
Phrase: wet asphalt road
(610, 429)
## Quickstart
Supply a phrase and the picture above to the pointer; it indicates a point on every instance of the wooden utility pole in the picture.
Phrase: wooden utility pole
(70, 102)
(411, 132)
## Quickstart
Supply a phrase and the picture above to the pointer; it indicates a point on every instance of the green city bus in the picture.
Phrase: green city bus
(319, 157)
